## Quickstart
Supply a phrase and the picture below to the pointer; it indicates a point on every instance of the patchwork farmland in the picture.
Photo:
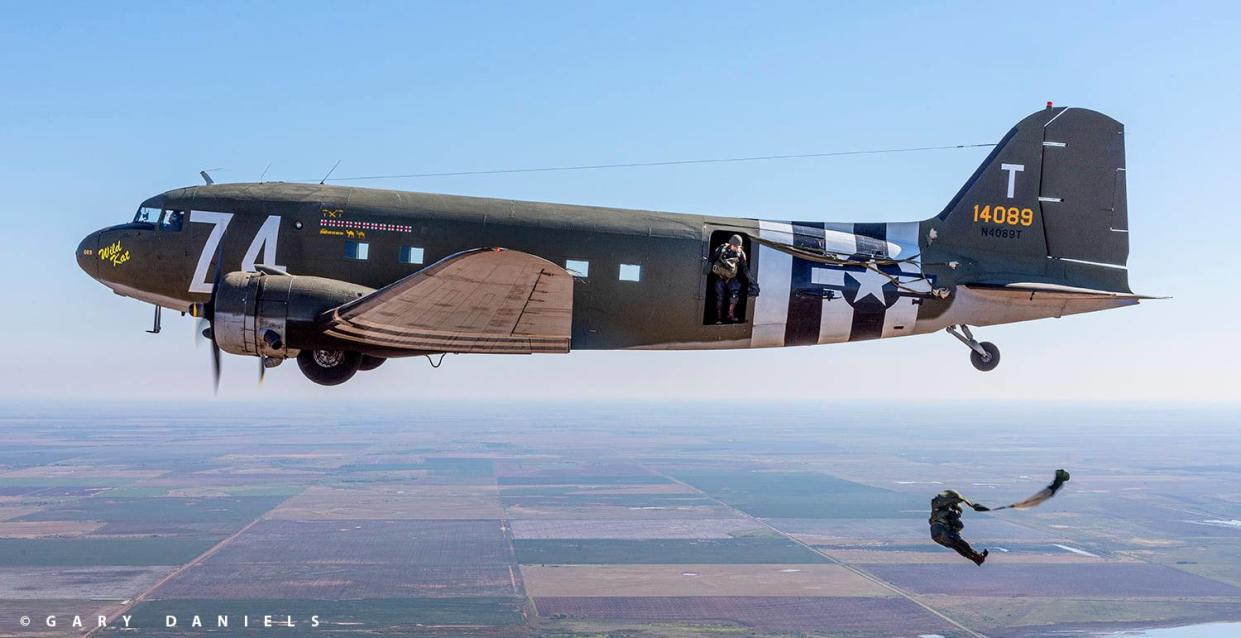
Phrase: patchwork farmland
(586, 522)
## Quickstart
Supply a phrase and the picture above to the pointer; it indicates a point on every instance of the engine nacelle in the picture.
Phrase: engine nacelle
(255, 313)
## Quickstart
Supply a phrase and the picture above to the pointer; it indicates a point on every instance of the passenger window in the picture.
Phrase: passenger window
(356, 250)
(577, 268)
(172, 221)
(630, 272)
(411, 255)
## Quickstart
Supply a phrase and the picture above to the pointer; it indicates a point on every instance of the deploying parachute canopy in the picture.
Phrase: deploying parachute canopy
(1044, 494)
(946, 522)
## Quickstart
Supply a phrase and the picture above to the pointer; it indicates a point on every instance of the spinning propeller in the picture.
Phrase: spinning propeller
(205, 313)
(205, 327)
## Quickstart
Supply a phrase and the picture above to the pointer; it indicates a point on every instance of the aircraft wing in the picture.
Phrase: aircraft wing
(479, 301)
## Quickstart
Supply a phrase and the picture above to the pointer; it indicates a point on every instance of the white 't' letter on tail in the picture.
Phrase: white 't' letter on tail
(1012, 169)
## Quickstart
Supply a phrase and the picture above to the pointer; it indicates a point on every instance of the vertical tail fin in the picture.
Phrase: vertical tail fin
(1047, 206)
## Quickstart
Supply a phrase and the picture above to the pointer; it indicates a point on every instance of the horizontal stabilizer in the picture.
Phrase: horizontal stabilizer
(1042, 287)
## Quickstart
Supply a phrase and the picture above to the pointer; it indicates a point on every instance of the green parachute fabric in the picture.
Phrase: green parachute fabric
(1044, 494)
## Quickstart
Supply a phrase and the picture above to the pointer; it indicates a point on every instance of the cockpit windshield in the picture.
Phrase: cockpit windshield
(165, 220)
(147, 215)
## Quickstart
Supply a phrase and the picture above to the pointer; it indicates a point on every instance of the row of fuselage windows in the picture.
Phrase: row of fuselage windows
(360, 251)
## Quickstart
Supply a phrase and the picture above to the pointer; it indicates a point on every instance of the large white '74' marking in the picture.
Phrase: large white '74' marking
(264, 241)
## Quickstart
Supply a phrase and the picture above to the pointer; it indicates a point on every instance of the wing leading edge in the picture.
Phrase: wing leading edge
(491, 301)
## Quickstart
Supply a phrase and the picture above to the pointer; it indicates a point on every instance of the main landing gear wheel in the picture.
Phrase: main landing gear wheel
(984, 355)
(329, 367)
(986, 362)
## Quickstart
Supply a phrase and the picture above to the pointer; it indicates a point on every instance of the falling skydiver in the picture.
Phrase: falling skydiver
(946, 522)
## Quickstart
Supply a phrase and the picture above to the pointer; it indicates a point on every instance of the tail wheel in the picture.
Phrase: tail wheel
(370, 363)
(329, 367)
(986, 362)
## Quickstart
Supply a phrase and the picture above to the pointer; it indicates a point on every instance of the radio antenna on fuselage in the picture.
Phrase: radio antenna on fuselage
(683, 162)
(329, 173)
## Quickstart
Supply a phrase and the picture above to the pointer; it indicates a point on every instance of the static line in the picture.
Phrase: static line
(591, 167)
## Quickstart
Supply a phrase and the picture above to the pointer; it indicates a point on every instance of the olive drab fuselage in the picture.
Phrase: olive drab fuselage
(642, 279)
(318, 230)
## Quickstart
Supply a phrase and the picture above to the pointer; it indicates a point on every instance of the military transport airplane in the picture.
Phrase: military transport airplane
(345, 278)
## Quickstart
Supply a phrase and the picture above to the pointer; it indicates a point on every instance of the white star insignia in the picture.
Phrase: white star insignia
(870, 284)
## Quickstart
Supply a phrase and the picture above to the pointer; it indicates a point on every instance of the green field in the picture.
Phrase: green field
(614, 500)
(802, 495)
(747, 549)
(633, 479)
(258, 489)
(65, 481)
(81, 552)
(441, 465)
(162, 509)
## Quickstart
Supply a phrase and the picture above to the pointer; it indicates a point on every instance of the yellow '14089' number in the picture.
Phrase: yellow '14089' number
(1003, 215)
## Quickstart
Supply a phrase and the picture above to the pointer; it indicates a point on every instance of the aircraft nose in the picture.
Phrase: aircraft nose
(87, 260)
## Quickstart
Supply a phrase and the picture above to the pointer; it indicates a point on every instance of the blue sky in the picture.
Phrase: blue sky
(104, 104)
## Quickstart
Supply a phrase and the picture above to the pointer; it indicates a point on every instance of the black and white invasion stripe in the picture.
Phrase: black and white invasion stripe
(803, 302)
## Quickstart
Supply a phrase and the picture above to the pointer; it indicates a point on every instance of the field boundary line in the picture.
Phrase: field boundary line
(142, 597)
(514, 567)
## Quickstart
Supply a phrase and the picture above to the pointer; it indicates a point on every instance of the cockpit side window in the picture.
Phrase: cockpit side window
(172, 221)
(147, 215)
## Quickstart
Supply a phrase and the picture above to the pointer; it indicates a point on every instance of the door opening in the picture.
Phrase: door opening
(727, 297)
